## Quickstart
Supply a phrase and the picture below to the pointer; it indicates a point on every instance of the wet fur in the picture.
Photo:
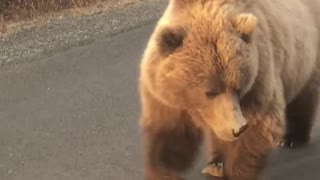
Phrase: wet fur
(279, 92)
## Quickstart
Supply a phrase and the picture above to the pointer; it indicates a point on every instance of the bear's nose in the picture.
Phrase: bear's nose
(238, 132)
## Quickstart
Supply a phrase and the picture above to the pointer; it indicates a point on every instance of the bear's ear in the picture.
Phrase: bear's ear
(245, 24)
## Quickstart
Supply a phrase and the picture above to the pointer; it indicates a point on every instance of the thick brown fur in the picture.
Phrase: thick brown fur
(206, 57)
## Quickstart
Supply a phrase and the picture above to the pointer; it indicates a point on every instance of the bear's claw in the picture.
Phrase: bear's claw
(214, 169)
(286, 144)
(291, 143)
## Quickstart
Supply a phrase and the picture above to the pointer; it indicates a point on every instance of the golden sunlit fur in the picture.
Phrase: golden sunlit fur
(205, 59)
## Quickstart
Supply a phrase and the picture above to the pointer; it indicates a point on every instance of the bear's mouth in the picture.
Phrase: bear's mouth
(237, 133)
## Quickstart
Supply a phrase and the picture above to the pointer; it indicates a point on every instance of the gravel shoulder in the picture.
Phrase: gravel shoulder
(47, 36)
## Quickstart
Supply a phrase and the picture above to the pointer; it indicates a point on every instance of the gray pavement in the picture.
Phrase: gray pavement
(73, 116)
(51, 34)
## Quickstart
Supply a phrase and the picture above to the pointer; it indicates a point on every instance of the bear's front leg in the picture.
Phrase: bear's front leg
(215, 153)
(169, 151)
(171, 140)
(247, 158)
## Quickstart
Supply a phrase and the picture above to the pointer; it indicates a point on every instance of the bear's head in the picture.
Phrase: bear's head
(201, 57)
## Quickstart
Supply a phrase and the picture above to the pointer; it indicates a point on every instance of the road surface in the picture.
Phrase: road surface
(73, 116)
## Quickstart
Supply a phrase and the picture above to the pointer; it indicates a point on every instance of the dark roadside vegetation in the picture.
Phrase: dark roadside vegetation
(20, 10)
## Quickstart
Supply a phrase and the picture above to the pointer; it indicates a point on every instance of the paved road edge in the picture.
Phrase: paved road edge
(60, 34)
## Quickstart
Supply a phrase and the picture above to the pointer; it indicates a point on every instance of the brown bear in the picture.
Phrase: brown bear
(242, 74)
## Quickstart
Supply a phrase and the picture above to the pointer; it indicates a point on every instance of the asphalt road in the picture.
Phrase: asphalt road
(73, 116)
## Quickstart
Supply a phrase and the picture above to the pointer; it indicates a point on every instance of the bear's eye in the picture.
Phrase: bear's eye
(170, 40)
(212, 94)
